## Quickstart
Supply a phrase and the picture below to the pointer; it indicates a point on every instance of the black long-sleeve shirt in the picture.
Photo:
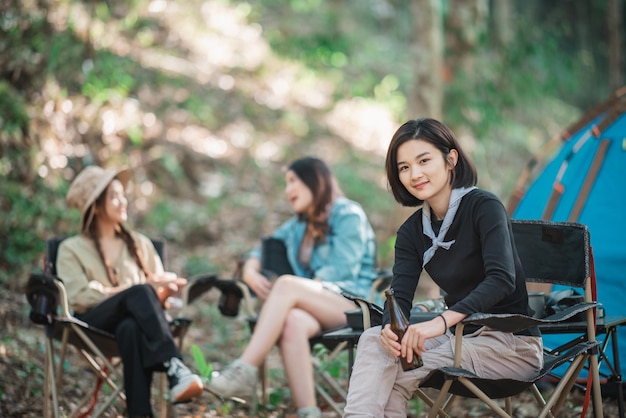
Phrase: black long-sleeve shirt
(480, 272)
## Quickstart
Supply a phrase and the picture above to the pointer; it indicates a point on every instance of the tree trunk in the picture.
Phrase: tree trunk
(466, 22)
(503, 18)
(427, 90)
(615, 26)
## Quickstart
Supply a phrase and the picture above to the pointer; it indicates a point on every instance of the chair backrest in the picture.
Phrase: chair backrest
(52, 250)
(274, 261)
(553, 252)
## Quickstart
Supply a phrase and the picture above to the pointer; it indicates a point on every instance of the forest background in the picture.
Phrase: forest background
(206, 101)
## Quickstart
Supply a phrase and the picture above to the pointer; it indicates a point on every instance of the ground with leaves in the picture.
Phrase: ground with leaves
(219, 339)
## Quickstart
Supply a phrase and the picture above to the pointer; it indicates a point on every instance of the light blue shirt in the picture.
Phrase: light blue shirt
(347, 257)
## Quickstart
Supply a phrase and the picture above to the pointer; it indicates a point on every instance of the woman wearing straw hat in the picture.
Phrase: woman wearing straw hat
(112, 276)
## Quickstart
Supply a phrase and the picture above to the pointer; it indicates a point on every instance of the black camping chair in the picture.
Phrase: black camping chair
(551, 252)
(50, 308)
(274, 263)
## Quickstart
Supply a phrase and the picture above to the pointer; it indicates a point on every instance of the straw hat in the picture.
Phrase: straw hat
(89, 185)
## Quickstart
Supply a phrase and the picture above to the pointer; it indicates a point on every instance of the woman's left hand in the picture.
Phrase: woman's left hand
(417, 334)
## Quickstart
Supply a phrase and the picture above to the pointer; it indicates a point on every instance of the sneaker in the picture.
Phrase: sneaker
(309, 412)
(237, 381)
(184, 385)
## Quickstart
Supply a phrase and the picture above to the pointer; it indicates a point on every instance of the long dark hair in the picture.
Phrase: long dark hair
(124, 234)
(441, 137)
(316, 175)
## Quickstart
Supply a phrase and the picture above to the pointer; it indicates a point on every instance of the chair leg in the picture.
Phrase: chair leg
(263, 381)
(254, 402)
(329, 400)
(481, 395)
(442, 413)
(323, 376)
(553, 405)
(51, 402)
(443, 393)
(539, 398)
(597, 394)
(165, 407)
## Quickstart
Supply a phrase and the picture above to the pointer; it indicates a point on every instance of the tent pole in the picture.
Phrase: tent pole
(590, 179)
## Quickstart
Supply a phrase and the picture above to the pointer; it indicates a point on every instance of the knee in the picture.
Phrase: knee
(127, 330)
(286, 284)
(142, 291)
(295, 329)
(369, 341)
(371, 335)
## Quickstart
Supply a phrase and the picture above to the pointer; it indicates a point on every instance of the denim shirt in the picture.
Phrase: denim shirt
(347, 257)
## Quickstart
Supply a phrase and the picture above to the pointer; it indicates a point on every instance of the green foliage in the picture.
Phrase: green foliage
(415, 406)
(13, 114)
(65, 60)
(204, 368)
(23, 44)
(200, 108)
(112, 77)
(199, 264)
(30, 216)
(359, 187)
(361, 48)
(278, 396)
(334, 366)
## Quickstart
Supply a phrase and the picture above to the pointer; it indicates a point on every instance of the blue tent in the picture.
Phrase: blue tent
(585, 182)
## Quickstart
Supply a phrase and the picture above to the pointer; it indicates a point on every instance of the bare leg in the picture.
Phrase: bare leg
(296, 354)
(291, 292)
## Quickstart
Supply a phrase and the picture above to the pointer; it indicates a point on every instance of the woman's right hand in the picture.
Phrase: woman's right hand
(257, 282)
(389, 341)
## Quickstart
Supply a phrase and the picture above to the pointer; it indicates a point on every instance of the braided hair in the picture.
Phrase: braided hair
(123, 233)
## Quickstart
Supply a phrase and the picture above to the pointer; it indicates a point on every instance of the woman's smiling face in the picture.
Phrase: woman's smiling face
(423, 170)
(114, 209)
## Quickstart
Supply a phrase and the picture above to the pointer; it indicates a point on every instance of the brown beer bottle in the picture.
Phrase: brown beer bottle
(399, 325)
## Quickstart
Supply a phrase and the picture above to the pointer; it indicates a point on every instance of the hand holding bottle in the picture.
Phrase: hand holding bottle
(399, 324)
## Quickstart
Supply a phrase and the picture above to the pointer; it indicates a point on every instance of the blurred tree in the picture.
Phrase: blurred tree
(465, 24)
(426, 97)
(616, 28)
(504, 22)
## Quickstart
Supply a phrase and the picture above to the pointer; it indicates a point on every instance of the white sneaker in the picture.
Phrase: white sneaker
(184, 385)
(236, 381)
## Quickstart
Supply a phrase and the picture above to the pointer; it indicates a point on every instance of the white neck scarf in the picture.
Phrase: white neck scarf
(455, 200)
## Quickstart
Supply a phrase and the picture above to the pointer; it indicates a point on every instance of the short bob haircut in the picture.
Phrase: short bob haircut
(442, 138)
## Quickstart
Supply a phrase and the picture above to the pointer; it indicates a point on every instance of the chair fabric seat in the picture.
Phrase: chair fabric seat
(502, 388)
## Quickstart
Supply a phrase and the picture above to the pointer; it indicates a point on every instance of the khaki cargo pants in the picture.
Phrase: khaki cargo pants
(380, 388)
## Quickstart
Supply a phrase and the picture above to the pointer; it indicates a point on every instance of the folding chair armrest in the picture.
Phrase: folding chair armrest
(64, 303)
(568, 313)
(248, 299)
(371, 314)
(502, 322)
(518, 322)
(380, 283)
(458, 344)
(196, 287)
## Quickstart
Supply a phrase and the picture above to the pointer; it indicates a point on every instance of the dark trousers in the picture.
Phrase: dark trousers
(143, 336)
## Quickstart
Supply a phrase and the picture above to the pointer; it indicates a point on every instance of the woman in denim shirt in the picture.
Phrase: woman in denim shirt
(331, 249)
